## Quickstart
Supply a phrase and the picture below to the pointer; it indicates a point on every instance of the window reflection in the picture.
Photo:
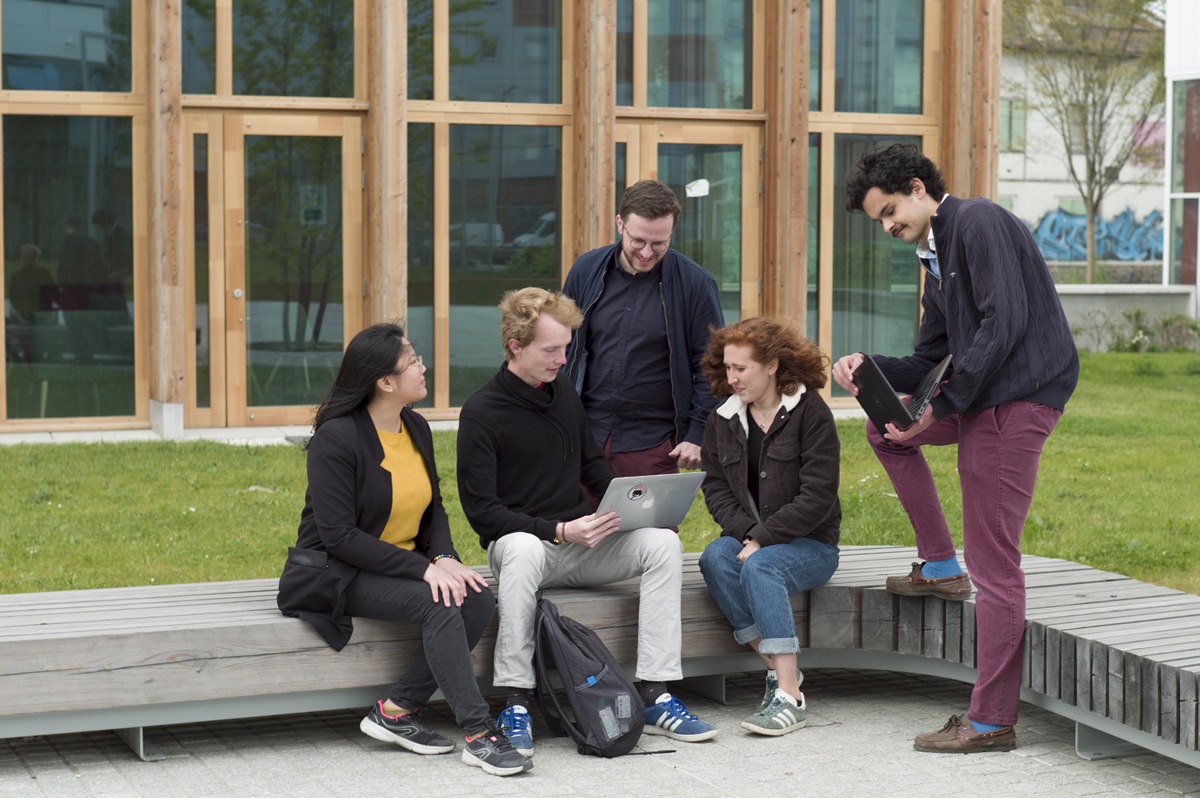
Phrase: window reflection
(288, 49)
(710, 223)
(505, 184)
(814, 56)
(68, 266)
(812, 284)
(505, 52)
(199, 47)
(66, 45)
(875, 278)
(419, 324)
(699, 54)
(879, 64)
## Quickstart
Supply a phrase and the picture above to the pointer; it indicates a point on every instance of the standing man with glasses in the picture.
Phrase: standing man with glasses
(635, 359)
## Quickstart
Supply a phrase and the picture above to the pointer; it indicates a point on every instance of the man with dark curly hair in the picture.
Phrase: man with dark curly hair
(990, 302)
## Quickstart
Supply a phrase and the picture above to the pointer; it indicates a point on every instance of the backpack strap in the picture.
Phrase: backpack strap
(547, 699)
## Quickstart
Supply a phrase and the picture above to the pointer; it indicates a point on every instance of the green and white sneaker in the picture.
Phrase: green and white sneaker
(772, 684)
(784, 714)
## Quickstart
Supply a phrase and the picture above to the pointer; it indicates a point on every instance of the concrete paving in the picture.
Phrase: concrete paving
(858, 742)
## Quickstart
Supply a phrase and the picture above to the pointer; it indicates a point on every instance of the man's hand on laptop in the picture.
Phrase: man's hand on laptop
(843, 372)
(591, 529)
(894, 433)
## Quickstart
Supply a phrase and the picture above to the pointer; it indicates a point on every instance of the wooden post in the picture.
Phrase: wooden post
(593, 129)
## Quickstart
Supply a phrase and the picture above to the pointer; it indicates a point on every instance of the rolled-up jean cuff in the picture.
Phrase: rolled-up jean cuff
(779, 645)
(747, 635)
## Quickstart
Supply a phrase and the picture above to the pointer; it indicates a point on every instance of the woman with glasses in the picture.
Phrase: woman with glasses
(772, 459)
(374, 542)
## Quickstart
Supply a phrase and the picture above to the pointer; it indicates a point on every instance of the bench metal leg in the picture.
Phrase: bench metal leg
(135, 738)
(1093, 744)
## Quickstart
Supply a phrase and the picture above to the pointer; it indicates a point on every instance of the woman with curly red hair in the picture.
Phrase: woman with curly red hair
(772, 459)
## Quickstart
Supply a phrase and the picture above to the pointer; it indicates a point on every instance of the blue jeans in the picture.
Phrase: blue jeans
(448, 634)
(754, 595)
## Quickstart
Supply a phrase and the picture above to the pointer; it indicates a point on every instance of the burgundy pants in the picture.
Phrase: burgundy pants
(998, 453)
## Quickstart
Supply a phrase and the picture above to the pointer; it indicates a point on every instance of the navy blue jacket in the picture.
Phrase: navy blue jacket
(996, 309)
(692, 306)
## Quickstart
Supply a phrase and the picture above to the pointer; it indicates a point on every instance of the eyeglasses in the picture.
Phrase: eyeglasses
(418, 361)
(657, 247)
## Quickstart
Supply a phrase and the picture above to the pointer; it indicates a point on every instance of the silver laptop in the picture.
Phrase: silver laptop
(654, 500)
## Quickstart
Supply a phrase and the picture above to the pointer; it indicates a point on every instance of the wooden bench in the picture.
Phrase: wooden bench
(1118, 657)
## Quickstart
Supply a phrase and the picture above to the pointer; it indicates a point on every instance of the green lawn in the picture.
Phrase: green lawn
(1116, 491)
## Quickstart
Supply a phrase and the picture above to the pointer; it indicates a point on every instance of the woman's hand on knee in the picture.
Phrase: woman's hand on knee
(445, 586)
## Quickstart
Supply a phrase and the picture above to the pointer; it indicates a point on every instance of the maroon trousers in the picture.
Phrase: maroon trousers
(998, 453)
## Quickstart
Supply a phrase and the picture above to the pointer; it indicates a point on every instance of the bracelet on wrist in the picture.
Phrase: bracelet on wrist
(560, 529)
(444, 557)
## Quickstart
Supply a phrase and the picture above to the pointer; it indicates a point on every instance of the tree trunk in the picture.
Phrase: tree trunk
(1091, 244)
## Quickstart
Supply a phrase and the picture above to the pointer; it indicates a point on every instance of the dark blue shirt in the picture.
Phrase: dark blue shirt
(627, 388)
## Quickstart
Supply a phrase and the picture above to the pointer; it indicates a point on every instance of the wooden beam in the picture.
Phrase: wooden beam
(163, 224)
(386, 163)
(593, 130)
(785, 160)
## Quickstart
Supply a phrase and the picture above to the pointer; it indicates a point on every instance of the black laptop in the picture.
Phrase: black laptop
(883, 404)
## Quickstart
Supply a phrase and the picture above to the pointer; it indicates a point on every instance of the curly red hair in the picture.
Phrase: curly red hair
(800, 361)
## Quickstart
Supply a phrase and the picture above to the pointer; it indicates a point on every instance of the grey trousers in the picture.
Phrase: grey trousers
(523, 563)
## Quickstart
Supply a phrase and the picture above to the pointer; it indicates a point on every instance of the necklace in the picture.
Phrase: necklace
(763, 420)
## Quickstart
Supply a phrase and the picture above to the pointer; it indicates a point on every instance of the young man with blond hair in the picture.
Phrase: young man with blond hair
(524, 453)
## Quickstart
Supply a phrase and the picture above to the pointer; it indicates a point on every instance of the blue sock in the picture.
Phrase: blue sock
(935, 569)
(983, 728)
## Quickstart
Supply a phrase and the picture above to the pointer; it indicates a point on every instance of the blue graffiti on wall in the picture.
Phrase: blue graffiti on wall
(1063, 236)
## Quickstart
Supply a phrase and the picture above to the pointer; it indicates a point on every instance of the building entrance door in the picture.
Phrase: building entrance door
(714, 169)
(274, 254)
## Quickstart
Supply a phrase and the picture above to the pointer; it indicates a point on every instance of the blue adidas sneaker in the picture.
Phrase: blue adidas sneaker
(517, 726)
(670, 718)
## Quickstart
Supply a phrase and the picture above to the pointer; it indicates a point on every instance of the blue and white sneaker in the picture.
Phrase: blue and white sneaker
(517, 726)
(670, 718)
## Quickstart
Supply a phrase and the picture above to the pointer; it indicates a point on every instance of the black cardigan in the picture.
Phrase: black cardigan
(346, 507)
(996, 309)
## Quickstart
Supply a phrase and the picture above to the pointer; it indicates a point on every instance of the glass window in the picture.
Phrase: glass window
(505, 184)
(420, 59)
(879, 56)
(699, 54)
(67, 45)
(1012, 126)
(707, 178)
(620, 166)
(875, 278)
(1185, 121)
(203, 386)
(419, 324)
(288, 49)
(506, 52)
(812, 286)
(68, 251)
(294, 289)
(814, 55)
(624, 52)
(199, 47)
(1183, 248)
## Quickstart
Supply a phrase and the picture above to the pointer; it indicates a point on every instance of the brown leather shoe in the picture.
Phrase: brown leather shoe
(951, 588)
(957, 737)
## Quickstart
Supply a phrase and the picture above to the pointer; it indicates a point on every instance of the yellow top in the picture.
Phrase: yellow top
(411, 489)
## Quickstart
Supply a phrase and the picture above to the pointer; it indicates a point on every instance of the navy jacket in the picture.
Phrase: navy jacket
(996, 309)
(346, 507)
(692, 306)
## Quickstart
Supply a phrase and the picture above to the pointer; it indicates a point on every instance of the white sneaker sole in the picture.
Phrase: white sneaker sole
(683, 738)
(474, 761)
(750, 727)
(383, 735)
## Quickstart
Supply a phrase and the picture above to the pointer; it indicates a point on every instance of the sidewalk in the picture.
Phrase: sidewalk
(858, 743)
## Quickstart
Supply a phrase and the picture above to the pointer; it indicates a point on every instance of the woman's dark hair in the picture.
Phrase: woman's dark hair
(800, 361)
(370, 356)
(891, 171)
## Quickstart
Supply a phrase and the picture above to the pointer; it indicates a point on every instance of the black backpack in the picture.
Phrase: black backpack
(605, 714)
